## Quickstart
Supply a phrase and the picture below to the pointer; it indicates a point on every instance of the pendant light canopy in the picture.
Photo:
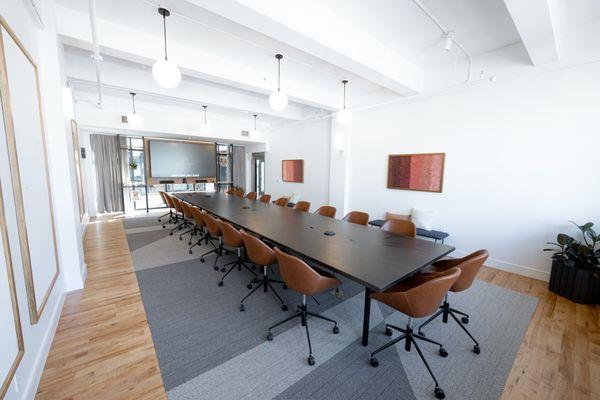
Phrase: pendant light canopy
(206, 128)
(344, 116)
(133, 119)
(278, 99)
(255, 133)
(165, 72)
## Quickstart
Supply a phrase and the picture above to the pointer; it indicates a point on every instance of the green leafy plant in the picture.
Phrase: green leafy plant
(133, 165)
(580, 254)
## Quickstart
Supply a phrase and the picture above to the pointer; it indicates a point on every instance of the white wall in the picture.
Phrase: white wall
(310, 142)
(521, 161)
(43, 46)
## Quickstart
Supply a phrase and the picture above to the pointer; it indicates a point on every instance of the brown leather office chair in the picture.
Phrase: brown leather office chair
(470, 266)
(416, 297)
(214, 235)
(302, 206)
(179, 209)
(239, 192)
(187, 214)
(170, 213)
(282, 201)
(400, 227)
(357, 217)
(326, 211)
(232, 240)
(303, 279)
(230, 191)
(251, 196)
(261, 254)
(265, 198)
(200, 226)
(174, 216)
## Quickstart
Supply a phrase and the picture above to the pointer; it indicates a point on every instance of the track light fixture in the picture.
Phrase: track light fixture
(255, 133)
(448, 39)
(166, 73)
(278, 99)
(344, 116)
(133, 119)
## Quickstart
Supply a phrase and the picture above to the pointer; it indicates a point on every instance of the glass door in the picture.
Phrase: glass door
(258, 172)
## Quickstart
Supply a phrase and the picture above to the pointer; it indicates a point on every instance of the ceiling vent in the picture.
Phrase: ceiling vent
(246, 133)
(124, 119)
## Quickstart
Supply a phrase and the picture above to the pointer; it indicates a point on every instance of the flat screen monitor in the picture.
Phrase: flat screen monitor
(177, 159)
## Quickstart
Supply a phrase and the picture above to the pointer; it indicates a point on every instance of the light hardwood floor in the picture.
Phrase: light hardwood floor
(103, 348)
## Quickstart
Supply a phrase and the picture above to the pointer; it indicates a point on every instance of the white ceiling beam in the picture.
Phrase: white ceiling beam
(310, 27)
(533, 20)
(132, 45)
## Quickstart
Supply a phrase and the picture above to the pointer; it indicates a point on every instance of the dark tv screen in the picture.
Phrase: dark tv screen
(172, 159)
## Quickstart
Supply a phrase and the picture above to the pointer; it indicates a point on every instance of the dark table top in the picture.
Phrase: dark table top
(374, 258)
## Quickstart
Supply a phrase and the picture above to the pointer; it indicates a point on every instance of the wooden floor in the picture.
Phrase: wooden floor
(103, 348)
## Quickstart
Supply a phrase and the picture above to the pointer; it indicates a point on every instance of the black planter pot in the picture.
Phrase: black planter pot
(578, 285)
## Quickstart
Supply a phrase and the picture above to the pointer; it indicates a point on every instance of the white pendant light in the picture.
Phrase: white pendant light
(133, 119)
(344, 116)
(166, 73)
(278, 99)
(205, 128)
(255, 134)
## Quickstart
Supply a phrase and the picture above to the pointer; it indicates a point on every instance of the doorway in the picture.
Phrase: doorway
(258, 173)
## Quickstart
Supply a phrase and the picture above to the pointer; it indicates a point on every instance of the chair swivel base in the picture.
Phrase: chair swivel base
(265, 282)
(303, 314)
(239, 263)
(410, 339)
(445, 311)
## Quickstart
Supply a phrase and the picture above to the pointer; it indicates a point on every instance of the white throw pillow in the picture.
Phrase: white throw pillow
(422, 218)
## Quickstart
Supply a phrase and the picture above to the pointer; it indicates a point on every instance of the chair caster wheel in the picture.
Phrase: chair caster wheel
(269, 336)
(465, 320)
(284, 307)
(242, 308)
(311, 360)
(284, 286)
(189, 243)
(336, 330)
(388, 332)
(253, 266)
(220, 283)
(223, 269)
(422, 334)
(476, 349)
(190, 252)
(216, 268)
(180, 238)
(374, 362)
(439, 393)
(443, 352)
(164, 227)
(249, 286)
(201, 259)
(170, 233)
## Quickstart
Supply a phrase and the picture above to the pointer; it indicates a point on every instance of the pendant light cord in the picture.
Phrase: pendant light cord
(344, 82)
(133, 101)
(279, 74)
(204, 114)
(255, 121)
(165, 34)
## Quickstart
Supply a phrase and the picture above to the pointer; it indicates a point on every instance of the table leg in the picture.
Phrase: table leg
(366, 317)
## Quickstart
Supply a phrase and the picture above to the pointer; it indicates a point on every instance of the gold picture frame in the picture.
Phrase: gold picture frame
(35, 310)
(5, 382)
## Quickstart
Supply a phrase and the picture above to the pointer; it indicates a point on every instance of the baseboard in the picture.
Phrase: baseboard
(510, 267)
(42, 354)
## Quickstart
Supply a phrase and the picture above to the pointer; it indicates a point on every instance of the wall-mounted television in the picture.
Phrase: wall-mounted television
(180, 160)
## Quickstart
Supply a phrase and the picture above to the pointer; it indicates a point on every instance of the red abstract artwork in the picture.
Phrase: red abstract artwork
(292, 171)
(423, 172)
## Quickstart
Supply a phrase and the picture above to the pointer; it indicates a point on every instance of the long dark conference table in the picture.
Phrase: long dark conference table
(371, 257)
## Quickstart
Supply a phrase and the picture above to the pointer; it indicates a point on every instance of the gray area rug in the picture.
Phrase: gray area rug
(208, 349)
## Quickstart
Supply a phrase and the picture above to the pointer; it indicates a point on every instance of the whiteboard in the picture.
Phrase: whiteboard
(30, 176)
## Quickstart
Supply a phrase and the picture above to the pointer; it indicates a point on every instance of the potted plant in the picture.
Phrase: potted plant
(576, 266)
(133, 165)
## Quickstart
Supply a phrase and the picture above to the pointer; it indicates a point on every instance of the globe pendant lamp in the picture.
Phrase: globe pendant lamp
(344, 116)
(165, 72)
(255, 133)
(206, 128)
(133, 119)
(278, 100)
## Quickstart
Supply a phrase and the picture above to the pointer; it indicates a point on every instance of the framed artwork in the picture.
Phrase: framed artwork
(25, 156)
(292, 171)
(421, 172)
